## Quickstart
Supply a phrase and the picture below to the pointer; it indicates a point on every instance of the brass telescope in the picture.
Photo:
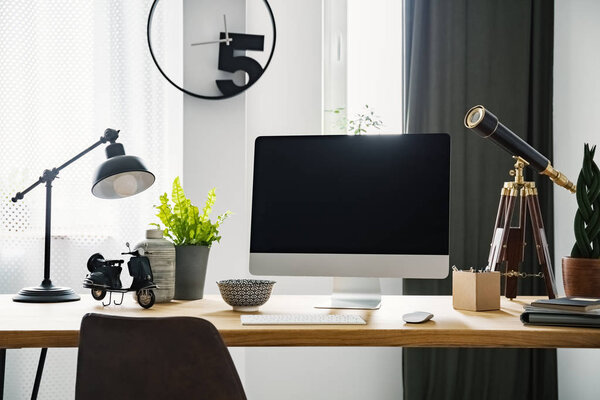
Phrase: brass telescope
(508, 241)
(486, 125)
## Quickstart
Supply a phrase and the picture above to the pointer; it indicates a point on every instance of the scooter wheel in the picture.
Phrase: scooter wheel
(146, 298)
(98, 294)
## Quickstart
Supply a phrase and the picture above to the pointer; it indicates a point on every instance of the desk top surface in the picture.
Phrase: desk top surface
(57, 325)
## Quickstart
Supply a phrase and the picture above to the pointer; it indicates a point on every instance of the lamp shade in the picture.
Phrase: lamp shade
(121, 175)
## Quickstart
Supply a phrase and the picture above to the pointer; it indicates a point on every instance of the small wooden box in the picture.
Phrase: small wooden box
(476, 291)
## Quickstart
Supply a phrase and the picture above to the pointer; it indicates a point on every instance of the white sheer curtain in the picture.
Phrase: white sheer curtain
(69, 70)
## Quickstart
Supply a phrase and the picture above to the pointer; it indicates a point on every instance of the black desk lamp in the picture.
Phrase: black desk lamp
(119, 176)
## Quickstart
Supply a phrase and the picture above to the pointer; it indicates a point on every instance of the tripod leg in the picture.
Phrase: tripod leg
(508, 214)
(541, 245)
(501, 244)
(496, 245)
(515, 250)
(513, 260)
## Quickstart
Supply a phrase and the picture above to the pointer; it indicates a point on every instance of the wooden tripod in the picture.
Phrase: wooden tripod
(508, 242)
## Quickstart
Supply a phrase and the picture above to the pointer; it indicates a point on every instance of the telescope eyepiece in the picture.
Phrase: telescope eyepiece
(474, 116)
(483, 122)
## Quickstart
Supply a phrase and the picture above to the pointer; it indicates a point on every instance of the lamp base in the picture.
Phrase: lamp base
(46, 293)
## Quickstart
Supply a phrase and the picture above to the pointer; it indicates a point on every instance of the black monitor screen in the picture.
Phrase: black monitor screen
(373, 194)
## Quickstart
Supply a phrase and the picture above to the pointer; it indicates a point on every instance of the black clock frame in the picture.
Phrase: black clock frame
(148, 27)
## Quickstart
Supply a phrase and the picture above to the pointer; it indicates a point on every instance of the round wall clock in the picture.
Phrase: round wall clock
(227, 45)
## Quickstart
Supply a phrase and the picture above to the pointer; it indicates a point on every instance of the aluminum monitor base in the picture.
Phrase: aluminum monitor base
(355, 294)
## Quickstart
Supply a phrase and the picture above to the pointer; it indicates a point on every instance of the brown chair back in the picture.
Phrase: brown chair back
(154, 358)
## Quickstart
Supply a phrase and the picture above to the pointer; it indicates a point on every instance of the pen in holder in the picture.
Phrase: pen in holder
(474, 290)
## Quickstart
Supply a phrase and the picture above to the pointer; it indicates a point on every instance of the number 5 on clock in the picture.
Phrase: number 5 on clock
(230, 63)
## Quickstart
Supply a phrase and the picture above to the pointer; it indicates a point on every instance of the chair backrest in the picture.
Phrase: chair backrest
(154, 358)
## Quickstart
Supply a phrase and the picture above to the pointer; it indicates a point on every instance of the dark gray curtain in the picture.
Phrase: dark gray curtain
(498, 53)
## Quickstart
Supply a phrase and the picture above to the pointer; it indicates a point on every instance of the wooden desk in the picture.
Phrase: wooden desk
(57, 325)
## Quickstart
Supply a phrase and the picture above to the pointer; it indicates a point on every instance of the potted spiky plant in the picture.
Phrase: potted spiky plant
(581, 271)
(192, 234)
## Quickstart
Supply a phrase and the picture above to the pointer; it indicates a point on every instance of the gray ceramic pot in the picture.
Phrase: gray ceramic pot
(190, 271)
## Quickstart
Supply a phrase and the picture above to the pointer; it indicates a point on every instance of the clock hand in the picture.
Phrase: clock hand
(227, 40)
(213, 41)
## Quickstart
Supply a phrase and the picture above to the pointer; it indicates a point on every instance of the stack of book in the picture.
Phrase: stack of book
(563, 311)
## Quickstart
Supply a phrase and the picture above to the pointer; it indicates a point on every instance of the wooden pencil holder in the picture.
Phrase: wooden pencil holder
(476, 291)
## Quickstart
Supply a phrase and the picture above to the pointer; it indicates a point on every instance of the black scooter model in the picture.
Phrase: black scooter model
(105, 276)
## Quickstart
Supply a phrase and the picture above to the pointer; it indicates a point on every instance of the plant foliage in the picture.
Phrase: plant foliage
(362, 121)
(184, 224)
(587, 218)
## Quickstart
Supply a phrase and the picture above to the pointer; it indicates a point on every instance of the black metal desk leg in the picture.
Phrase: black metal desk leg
(38, 374)
(2, 368)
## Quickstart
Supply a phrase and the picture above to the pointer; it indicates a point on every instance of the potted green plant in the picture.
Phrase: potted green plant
(581, 271)
(192, 234)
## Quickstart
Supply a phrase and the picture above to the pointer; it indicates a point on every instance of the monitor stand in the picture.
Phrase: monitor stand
(355, 294)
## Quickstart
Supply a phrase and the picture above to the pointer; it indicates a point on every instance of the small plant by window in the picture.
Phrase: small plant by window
(361, 123)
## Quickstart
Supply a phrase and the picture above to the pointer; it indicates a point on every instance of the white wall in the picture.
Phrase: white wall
(218, 150)
(576, 105)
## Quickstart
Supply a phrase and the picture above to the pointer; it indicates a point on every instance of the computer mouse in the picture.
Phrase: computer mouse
(417, 317)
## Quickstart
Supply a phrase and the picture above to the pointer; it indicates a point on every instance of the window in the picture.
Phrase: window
(70, 70)
(362, 63)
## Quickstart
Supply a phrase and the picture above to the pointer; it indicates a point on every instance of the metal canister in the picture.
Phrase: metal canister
(161, 254)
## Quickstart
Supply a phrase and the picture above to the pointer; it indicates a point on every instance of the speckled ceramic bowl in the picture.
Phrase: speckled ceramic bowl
(245, 294)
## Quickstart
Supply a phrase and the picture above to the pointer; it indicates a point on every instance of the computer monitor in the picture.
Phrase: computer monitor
(366, 206)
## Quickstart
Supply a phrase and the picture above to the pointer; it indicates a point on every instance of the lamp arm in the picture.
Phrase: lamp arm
(110, 135)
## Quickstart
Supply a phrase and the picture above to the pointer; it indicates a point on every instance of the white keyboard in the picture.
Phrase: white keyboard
(302, 319)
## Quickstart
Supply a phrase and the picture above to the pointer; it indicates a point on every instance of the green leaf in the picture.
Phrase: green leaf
(179, 199)
(221, 218)
(183, 223)
(587, 218)
(164, 211)
(210, 201)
